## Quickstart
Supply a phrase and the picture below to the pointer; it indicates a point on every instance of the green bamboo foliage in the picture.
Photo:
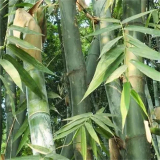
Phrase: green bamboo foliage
(37, 105)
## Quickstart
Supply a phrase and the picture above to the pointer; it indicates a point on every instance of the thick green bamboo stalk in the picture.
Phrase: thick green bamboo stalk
(136, 143)
(75, 65)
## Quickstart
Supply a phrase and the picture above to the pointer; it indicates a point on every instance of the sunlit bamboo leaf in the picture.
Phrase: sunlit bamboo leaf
(116, 74)
(125, 102)
(148, 71)
(108, 45)
(106, 29)
(27, 58)
(142, 50)
(21, 129)
(136, 16)
(11, 70)
(107, 64)
(108, 4)
(21, 43)
(83, 143)
(26, 78)
(23, 140)
(92, 132)
(144, 30)
(39, 149)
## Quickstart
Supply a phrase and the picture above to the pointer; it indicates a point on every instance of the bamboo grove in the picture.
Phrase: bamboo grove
(79, 79)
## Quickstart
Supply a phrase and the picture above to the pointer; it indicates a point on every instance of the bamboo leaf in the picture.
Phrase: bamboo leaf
(21, 43)
(139, 101)
(23, 30)
(27, 58)
(108, 4)
(144, 30)
(11, 70)
(23, 140)
(23, 5)
(84, 115)
(40, 149)
(53, 95)
(26, 158)
(101, 124)
(112, 20)
(26, 78)
(92, 132)
(116, 74)
(136, 16)
(101, 110)
(103, 132)
(142, 50)
(71, 125)
(21, 129)
(21, 107)
(148, 71)
(106, 121)
(108, 45)
(105, 67)
(155, 131)
(94, 146)
(55, 156)
(83, 143)
(106, 29)
(125, 102)
(64, 134)
(10, 94)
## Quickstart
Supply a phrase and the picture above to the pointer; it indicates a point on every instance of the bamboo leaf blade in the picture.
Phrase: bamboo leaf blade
(109, 45)
(40, 149)
(26, 78)
(107, 64)
(10, 94)
(83, 143)
(148, 71)
(107, 29)
(102, 125)
(125, 102)
(71, 125)
(139, 101)
(21, 43)
(116, 74)
(94, 146)
(84, 115)
(64, 134)
(21, 130)
(92, 132)
(24, 56)
(23, 140)
(136, 16)
(142, 50)
(11, 70)
(144, 30)
(23, 30)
